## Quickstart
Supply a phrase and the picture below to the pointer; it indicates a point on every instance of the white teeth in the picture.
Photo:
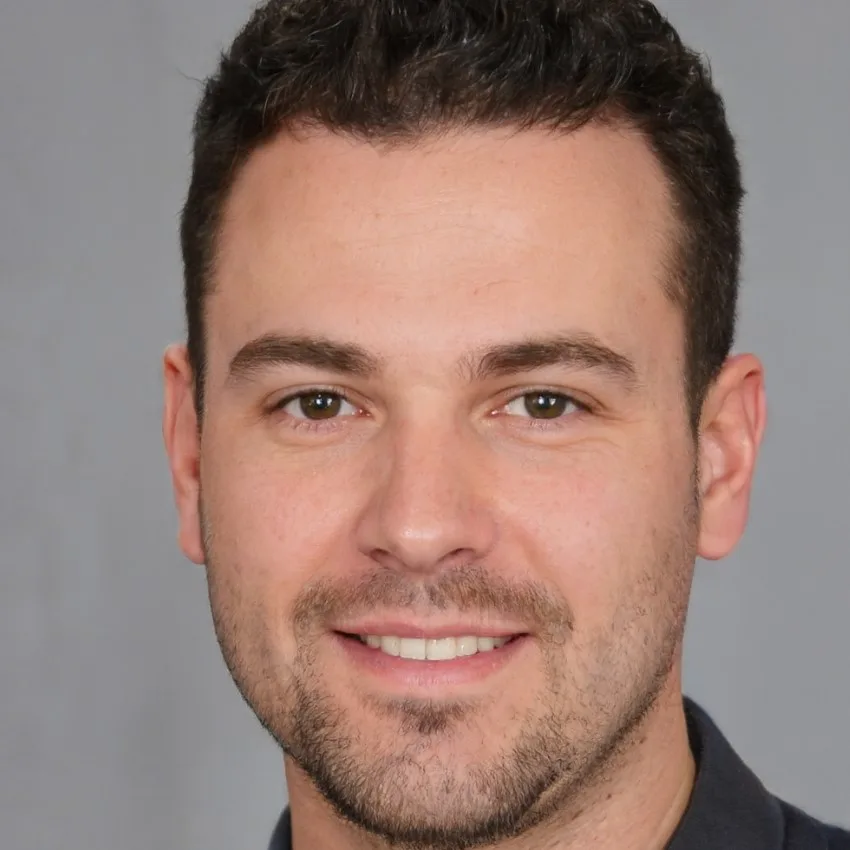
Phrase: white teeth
(414, 649)
(433, 649)
(391, 645)
(443, 649)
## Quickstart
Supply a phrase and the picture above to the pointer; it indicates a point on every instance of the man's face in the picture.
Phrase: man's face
(465, 419)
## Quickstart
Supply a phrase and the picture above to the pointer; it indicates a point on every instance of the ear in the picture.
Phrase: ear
(183, 445)
(731, 430)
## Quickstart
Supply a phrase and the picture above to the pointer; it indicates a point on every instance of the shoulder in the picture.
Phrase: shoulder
(804, 832)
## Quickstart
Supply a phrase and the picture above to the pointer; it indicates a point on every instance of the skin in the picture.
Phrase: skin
(437, 492)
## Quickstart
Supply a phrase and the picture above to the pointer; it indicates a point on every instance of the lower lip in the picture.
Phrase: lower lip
(412, 675)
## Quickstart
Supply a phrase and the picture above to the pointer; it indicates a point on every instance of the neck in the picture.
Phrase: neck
(636, 804)
(639, 798)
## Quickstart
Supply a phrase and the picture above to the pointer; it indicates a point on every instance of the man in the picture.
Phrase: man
(457, 414)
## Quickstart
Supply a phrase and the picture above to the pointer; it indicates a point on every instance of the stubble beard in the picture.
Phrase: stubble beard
(405, 788)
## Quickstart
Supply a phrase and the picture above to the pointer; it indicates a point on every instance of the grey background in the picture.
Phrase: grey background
(119, 727)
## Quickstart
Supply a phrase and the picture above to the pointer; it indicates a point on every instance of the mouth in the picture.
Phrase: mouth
(432, 649)
(431, 667)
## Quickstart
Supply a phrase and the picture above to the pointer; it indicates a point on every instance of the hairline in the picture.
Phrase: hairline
(301, 128)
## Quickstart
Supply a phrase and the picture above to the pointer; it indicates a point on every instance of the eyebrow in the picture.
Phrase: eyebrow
(271, 350)
(575, 351)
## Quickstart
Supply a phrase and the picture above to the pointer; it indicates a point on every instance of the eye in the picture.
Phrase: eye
(317, 405)
(542, 404)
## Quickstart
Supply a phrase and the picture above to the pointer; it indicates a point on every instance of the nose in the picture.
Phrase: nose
(428, 509)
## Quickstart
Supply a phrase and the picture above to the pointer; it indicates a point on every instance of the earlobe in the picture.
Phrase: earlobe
(731, 431)
(182, 444)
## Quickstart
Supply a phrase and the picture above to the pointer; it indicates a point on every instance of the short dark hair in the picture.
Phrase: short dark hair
(395, 70)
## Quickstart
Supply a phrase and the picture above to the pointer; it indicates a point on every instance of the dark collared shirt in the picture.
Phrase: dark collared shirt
(729, 808)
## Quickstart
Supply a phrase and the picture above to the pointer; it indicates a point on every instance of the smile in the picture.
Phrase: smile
(432, 649)
(427, 665)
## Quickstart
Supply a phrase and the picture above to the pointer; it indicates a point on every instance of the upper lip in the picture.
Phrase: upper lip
(408, 629)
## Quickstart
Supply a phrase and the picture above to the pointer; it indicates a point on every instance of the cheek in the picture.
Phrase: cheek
(277, 522)
(599, 522)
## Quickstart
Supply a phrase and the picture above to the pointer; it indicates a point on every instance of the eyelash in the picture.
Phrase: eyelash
(558, 423)
(311, 425)
(325, 425)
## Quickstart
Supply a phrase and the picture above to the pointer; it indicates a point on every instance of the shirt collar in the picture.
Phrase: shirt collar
(729, 807)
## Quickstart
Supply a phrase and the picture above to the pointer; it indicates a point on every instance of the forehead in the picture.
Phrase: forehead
(460, 239)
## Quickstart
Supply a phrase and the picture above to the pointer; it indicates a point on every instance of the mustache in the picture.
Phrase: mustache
(466, 589)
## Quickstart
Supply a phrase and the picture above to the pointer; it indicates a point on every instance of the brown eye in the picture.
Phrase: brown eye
(545, 405)
(320, 405)
(542, 405)
(317, 405)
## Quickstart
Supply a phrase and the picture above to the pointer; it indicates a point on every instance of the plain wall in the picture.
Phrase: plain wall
(119, 727)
